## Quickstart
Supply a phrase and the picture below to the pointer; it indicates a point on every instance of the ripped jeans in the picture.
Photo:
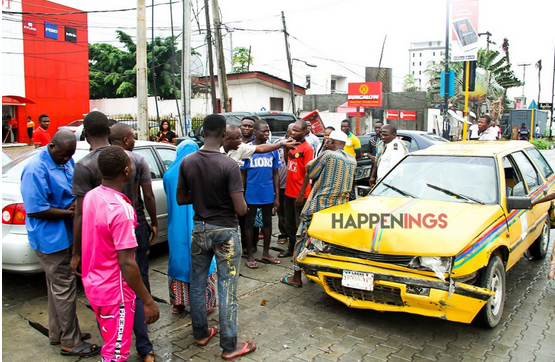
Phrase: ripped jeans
(209, 240)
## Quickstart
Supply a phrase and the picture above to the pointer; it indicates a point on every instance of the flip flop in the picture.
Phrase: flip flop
(287, 282)
(84, 337)
(285, 254)
(149, 357)
(178, 309)
(270, 260)
(84, 350)
(252, 264)
(248, 347)
(212, 331)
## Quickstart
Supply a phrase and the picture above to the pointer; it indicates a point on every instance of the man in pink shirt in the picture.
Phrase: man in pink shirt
(110, 274)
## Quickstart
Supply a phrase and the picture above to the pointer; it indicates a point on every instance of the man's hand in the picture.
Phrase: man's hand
(276, 204)
(152, 312)
(299, 200)
(372, 181)
(291, 144)
(154, 230)
(75, 265)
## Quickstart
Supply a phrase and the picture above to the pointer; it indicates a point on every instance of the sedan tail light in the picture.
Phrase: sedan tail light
(14, 214)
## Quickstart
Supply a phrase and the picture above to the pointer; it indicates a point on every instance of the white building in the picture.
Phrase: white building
(421, 55)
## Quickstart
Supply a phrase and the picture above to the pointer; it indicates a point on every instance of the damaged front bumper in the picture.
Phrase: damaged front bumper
(397, 291)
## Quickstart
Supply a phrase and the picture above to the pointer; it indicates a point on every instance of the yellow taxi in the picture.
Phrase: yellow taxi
(437, 234)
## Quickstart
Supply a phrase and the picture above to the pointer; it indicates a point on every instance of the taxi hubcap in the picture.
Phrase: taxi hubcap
(497, 288)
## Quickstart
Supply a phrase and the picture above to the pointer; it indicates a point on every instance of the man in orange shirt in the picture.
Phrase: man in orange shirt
(41, 137)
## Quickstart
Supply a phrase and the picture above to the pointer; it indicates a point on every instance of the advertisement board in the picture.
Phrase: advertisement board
(367, 94)
(71, 34)
(50, 30)
(464, 27)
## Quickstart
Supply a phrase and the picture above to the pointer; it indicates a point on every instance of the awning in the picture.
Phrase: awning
(16, 100)
(351, 111)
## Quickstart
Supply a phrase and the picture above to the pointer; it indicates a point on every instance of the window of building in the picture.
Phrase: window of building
(333, 85)
(419, 72)
(276, 104)
(420, 55)
(434, 54)
(420, 64)
(413, 64)
(307, 83)
(413, 54)
(413, 72)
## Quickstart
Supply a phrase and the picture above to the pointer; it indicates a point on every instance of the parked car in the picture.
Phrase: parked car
(414, 140)
(5, 157)
(437, 234)
(76, 127)
(277, 120)
(17, 255)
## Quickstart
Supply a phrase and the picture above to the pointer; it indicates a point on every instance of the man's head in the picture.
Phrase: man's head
(96, 125)
(247, 126)
(309, 126)
(389, 133)
(114, 163)
(122, 135)
(233, 138)
(378, 128)
(346, 126)
(214, 127)
(327, 132)
(337, 140)
(523, 125)
(28, 118)
(299, 131)
(261, 131)
(289, 130)
(484, 122)
(62, 147)
(44, 121)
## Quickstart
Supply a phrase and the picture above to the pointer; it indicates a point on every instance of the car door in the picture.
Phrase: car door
(522, 179)
(549, 177)
(157, 170)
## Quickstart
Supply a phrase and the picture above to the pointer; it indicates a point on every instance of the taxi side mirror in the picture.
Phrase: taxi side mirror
(518, 202)
(363, 190)
(191, 134)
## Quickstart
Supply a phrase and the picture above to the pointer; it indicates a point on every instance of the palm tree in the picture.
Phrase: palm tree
(539, 67)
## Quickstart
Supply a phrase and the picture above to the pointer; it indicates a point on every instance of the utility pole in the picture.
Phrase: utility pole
(446, 103)
(222, 76)
(552, 96)
(290, 64)
(185, 126)
(488, 74)
(210, 58)
(524, 65)
(142, 88)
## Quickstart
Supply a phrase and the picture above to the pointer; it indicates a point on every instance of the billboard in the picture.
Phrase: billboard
(50, 30)
(367, 94)
(464, 28)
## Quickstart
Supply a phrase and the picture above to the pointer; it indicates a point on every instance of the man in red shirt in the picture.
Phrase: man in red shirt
(40, 136)
(296, 162)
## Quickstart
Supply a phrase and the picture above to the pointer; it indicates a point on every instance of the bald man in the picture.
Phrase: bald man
(46, 190)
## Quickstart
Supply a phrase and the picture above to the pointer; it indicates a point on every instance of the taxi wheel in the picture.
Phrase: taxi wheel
(493, 278)
(538, 249)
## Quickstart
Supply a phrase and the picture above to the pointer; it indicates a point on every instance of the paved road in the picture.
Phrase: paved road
(305, 324)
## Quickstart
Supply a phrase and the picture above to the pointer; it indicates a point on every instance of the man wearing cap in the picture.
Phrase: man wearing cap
(332, 174)
(387, 157)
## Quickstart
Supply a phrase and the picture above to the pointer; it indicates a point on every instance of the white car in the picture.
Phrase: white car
(76, 127)
(17, 255)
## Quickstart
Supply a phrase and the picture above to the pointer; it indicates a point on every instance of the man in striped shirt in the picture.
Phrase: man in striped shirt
(332, 175)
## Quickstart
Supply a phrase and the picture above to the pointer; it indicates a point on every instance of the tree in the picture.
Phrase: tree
(112, 71)
(409, 84)
(241, 59)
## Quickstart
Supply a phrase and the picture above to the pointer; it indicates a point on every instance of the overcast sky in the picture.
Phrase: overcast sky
(349, 33)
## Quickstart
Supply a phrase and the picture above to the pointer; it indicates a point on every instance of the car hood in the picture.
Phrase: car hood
(416, 226)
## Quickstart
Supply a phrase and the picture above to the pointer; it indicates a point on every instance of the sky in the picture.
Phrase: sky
(345, 36)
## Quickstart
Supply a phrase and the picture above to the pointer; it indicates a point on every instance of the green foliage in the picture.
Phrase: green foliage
(542, 143)
(409, 83)
(112, 71)
(241, 60)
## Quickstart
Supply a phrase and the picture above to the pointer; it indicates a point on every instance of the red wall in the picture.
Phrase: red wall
(56, 71)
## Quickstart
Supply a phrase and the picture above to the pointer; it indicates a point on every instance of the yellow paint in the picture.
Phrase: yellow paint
(467, 64)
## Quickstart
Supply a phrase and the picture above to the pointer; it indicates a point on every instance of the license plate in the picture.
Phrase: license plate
(358, 280)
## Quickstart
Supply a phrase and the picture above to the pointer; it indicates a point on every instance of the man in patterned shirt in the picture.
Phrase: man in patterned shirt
(332, 174)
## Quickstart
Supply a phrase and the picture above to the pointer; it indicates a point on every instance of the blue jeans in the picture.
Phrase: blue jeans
(143, 343)
(209, 240)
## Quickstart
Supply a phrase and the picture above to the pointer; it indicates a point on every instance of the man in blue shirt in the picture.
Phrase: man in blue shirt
(46, 190)
(260, 174)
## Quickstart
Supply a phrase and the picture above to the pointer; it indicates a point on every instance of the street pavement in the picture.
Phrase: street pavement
(305, 324)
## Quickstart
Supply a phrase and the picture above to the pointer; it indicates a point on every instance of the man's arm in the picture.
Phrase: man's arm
(150, 205)
(52, 214)
(357, 147)
(239, 204)
(130, 272)
(276, 188)
(300, 197)
(374, 172)
(244, 178)
(265, 148)
(544, 199)
(77, 227)
(184, 197)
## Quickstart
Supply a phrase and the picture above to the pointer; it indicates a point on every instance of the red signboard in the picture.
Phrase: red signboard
(367, 94)
(316, 121)
(30, 26)
(407, 115)
(391, 114)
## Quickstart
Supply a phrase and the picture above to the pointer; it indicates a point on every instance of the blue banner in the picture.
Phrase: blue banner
(50, 30)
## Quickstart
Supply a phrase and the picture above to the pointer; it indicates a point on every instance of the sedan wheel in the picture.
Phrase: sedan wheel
(493, 278)
(538, 249)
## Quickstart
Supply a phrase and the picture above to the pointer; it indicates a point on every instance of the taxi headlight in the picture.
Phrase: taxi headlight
(318, 246)
(436, 264)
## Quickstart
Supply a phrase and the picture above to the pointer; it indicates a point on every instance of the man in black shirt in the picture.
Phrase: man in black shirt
(374, 139)
(212, 182)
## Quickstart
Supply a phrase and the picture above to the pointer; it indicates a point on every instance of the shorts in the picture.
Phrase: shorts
(116, 326)
(266, 215)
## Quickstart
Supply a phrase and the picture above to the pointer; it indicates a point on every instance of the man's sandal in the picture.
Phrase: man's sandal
(248, 347)
(84, 350)
(212, 331)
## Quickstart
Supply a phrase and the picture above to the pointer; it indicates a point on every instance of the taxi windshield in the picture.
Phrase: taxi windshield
(442, 178)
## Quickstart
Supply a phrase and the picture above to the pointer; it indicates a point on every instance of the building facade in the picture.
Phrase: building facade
(44, 63)
(421, 55)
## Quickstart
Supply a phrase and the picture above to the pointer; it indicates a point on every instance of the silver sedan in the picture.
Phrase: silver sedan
(17, 255)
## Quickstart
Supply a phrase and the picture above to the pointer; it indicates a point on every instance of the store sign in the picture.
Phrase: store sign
(71, 34)
(367, 94)
(29, 26)
(407, 115)
(50, 30)
(464, 23)
(391, 115)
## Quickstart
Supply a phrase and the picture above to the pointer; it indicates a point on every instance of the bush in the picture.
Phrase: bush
(542, 143)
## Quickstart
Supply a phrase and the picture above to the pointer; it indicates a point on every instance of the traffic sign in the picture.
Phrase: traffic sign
(408, 115)
(391, 115)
